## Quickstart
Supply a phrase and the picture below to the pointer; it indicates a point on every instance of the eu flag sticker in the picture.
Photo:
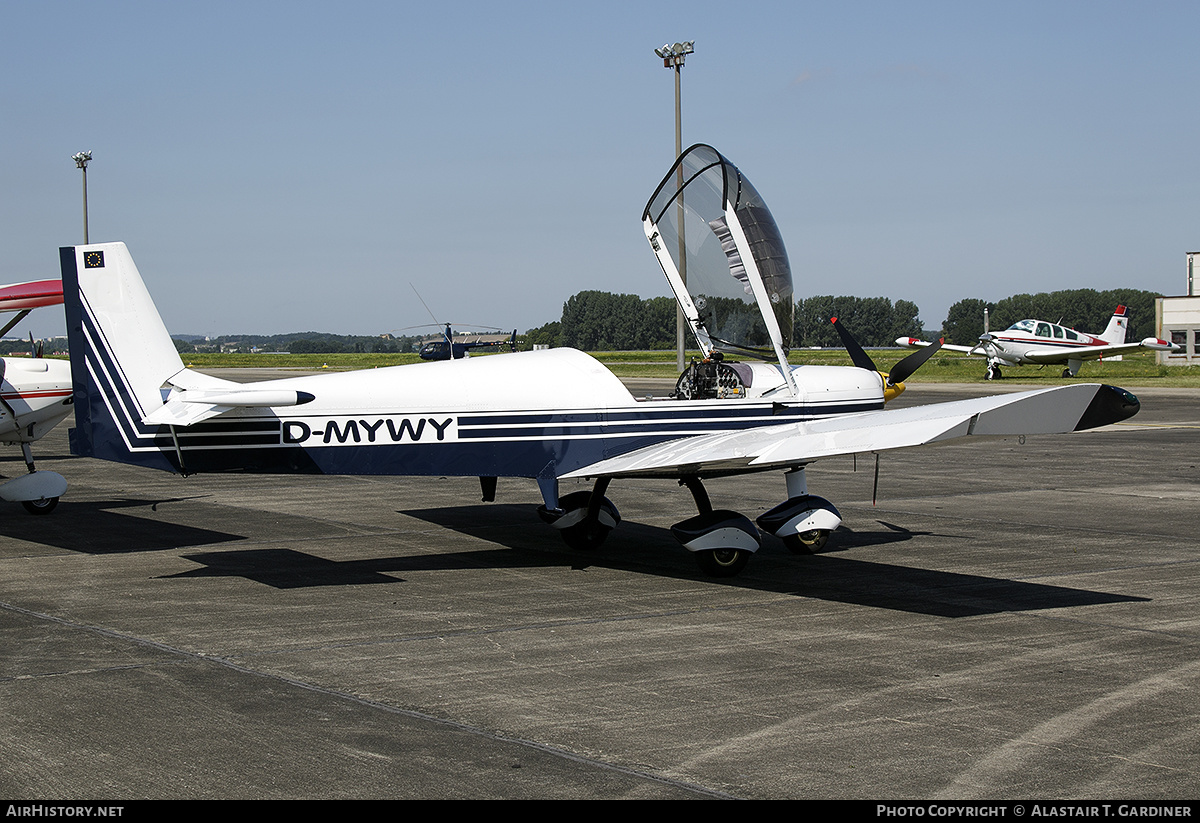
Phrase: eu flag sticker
(93, 259)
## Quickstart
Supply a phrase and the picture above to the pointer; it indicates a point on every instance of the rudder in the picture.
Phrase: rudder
(121, 355)
(1114, 332)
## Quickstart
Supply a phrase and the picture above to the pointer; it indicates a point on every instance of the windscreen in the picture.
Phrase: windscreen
(689, 210)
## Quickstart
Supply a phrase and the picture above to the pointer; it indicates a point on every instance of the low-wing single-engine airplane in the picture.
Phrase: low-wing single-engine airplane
(551, 414)
(1041, 343)
(35, 396)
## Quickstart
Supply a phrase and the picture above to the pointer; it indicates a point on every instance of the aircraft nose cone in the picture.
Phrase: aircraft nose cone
(1110, 405)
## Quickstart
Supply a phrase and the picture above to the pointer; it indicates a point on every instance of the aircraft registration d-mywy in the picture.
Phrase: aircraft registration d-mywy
(35, 396)
(552, 414)
(1041, 343)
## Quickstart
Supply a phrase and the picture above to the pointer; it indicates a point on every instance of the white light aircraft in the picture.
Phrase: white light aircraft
(553, 414)
(35, 396)
(1041, 343)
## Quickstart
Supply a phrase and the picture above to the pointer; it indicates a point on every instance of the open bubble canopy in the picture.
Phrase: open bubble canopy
(723, 254)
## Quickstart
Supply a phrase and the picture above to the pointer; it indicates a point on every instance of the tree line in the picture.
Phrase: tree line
(602, 321)
(309, 342)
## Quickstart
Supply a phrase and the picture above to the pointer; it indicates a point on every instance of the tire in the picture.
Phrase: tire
(722, 562)
(43, 506)
(807, 542)
(585, 537)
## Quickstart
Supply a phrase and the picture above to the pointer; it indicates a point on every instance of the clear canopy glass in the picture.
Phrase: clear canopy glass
(708, 217)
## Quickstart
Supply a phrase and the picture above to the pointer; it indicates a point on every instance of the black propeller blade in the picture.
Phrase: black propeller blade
(857, 356)
(899, 372)
(905, 368)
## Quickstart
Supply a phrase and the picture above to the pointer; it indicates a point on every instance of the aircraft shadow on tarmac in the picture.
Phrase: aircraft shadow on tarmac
(652, 550)
(96, 528)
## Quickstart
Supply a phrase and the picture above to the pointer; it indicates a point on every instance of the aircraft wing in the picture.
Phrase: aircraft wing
(1058, 355)
(914, 343)
(1043, 411)
(31, 295)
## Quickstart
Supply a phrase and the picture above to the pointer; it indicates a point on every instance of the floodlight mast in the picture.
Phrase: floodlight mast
(81, 160)
(673, 57)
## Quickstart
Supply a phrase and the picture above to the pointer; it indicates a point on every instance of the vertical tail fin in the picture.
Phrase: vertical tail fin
(1117, 324)
(121, 355)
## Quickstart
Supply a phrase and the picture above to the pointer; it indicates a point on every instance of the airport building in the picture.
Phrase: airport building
(1178, 319)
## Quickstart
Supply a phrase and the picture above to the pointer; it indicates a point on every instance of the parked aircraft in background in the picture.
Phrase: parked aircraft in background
(447, 348)
(1042, 343)
(553, 414)
(35, 396)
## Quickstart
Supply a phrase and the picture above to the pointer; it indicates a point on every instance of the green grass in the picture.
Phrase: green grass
(1138, 369)
(307, 362)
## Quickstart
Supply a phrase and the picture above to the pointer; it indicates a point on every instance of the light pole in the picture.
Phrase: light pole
(81, 161)
(672, 57)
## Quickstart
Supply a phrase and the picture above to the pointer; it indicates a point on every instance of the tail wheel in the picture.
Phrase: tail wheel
(43, 506)
(722, 562)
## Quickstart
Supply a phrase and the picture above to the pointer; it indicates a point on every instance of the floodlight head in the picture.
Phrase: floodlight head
(672, 56)
(81, 159)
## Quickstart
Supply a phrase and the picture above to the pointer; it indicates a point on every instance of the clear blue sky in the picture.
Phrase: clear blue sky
(295, 166)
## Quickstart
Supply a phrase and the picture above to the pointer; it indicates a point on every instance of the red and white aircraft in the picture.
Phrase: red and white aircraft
(1042, 343)
(35, 396)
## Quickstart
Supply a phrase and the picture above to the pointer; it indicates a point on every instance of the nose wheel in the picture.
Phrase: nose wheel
(721, 541)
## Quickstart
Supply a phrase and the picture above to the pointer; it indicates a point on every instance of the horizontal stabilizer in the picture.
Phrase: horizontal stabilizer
(192, 406)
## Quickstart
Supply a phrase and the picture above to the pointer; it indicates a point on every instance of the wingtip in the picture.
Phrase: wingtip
(1111, 404)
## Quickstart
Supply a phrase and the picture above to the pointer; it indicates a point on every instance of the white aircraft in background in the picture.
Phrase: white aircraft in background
(35, 396)
(553, 414)
(1042, 343)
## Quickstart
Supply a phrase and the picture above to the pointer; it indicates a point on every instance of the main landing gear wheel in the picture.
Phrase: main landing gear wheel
(588, 534)
(43, 506)
(1067, 373)
(722, 562)
(808, 542)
